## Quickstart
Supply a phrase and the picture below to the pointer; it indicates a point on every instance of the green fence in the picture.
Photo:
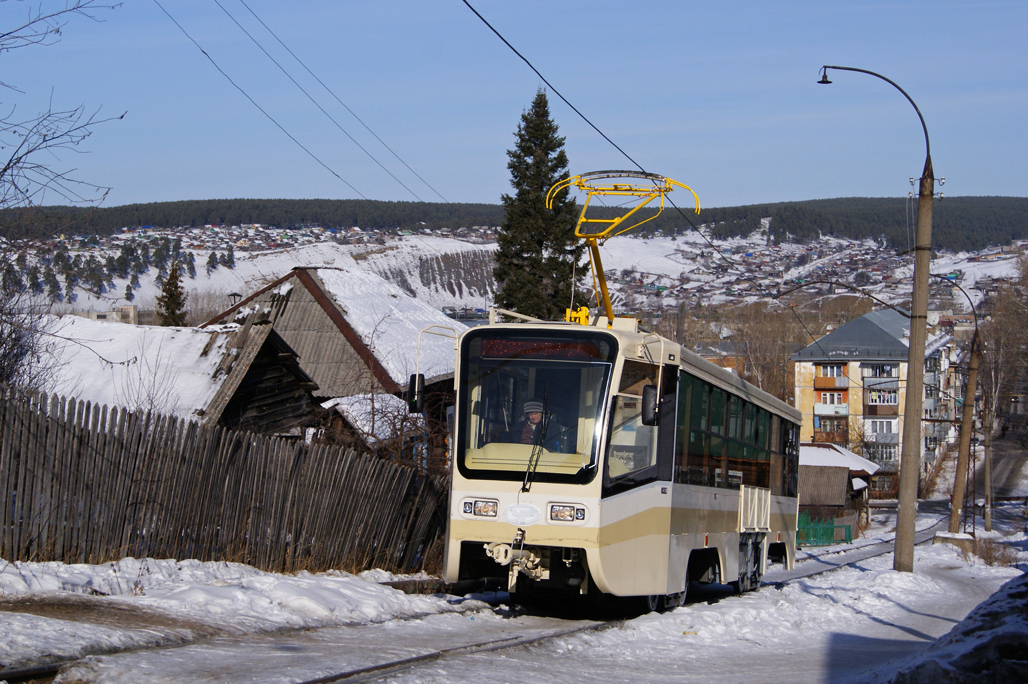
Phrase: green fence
(821, 532)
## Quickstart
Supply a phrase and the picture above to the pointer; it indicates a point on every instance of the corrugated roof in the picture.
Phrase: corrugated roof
(876, 336)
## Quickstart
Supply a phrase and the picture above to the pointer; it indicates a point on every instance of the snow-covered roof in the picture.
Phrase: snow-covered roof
(168, 370)
(378, 417)
(389, 322)
(834, 456)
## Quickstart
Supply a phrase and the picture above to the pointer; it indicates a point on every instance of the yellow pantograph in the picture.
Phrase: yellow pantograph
(645, 187)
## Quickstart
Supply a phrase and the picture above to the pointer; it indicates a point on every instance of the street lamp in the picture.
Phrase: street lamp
(910, 459)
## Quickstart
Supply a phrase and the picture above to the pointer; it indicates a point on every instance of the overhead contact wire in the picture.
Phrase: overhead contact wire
(254, 102)
(344, 105)
(731, 263)
(313, 101)
(551, 87)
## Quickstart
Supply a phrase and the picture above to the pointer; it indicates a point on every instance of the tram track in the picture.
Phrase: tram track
(371, 673)
(387, 666)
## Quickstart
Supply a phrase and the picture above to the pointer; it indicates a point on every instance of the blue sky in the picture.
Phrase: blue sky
(721, 96)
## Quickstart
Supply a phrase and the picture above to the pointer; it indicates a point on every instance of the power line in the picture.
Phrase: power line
(735, 267)
(336, 97)
(551, 86)
(254, 102)
(313, 101)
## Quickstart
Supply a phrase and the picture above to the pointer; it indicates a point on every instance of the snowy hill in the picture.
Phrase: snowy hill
(445, 272)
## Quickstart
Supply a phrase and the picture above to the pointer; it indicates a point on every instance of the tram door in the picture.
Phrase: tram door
(637, 496)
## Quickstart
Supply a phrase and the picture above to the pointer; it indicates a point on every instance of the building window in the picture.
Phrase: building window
(831, 398)
(832, 425)
(882, 427)
(882, 397)
(881, 453)
(879, 370)
(835, 370)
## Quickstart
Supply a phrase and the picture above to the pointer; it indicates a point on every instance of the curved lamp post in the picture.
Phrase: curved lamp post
(910, 458)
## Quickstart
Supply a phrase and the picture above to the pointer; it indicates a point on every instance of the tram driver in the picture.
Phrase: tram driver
(526, 431)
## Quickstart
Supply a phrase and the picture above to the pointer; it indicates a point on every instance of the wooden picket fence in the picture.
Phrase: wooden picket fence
(81, 483)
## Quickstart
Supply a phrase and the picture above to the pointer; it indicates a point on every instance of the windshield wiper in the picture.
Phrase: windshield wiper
(537, 450)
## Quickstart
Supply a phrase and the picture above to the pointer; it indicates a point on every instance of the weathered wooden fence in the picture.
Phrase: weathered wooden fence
(88, 484)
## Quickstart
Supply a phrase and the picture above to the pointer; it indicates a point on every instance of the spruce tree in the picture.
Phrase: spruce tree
(538, 254)
(171, 303)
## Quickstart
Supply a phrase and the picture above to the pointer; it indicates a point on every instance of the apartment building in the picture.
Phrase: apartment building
(851, 387)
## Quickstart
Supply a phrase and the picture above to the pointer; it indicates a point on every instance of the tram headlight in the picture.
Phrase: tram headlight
(562, 512)
(486, 508)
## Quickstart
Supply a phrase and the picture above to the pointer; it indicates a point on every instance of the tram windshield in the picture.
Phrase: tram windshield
(521, 390)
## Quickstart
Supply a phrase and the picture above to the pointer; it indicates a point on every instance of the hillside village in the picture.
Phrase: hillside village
(690, 270)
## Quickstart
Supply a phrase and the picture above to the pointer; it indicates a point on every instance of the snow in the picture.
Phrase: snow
(390, 322)
(170, 370)
(377, 417)
(834, 456)
(858, 623)
(196, 598)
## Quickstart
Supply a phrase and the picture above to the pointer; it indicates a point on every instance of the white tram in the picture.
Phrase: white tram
(650, 467)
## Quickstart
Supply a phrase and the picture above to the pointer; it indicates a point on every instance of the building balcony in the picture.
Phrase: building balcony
(883, 438)
(831, 410)
(881, 383)
(830, 437)
(871, 410)
(831, 383)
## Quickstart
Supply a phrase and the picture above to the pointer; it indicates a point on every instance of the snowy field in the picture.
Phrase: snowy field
(858, 623)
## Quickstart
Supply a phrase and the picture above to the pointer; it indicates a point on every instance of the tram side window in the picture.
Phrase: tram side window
(633, 446)
(723, 440)
(717, 411)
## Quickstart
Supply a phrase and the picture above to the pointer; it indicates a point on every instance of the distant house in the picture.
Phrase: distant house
(242, 377)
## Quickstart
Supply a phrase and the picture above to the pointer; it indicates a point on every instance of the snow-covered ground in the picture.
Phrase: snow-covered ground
(858, 623)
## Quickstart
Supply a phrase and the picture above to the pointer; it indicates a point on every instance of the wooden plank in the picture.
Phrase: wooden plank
(9, 465)
(49, 491)
(66, 440)
(30, 509)
(62, 491)
(91, 478)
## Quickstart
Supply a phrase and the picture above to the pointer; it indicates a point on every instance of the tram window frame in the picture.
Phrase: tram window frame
(718, 405)
(634, 376)
(734, 414)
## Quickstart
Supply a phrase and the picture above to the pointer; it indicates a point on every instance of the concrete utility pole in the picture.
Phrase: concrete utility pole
(966, 430)
(987, 428)
(910, 458)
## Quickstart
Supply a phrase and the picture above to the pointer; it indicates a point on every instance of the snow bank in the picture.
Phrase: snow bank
(53, 608)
